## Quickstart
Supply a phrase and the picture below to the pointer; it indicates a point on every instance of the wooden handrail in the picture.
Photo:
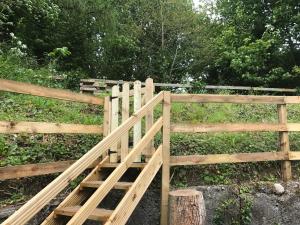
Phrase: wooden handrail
(28, 210)
(30, 89)
(113, 178)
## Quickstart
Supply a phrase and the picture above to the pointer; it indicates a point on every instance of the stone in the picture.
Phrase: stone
(278, 189)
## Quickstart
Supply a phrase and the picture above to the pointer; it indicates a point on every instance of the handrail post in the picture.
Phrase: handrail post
(166, 159)
(286, 168)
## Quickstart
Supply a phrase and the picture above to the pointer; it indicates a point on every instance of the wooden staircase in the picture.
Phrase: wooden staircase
(133, 191)
(85, 201)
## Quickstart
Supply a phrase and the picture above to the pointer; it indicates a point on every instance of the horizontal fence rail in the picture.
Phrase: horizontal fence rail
(233, 127)
(48, 128)
(92, 84)
(245, 99)
(30, 89)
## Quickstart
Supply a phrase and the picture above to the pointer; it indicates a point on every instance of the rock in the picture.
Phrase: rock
(278, 189)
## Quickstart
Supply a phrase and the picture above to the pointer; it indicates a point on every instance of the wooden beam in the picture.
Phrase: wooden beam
(137, 104)
(226, 158)
(29, 209)
(80, 217)
(30, 170)
(30, 89)
(284, 144)
(48, 128)
(227, 127)
(149, 117)
(128, 203)
(293, 155)
(206, 98)
(125, 116)
(113, 157)
(165, 186)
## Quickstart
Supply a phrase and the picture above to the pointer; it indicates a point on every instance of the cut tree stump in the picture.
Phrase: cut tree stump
(186, 207)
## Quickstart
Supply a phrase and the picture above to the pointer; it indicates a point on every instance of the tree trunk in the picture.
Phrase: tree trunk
(186, 207)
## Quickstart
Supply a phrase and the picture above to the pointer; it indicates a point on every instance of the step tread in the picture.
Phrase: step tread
(96, 184)
(98, 213)
(133, 165)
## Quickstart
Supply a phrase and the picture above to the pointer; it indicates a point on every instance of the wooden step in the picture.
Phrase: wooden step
(97, 214)
(96, 184)
(133, 165)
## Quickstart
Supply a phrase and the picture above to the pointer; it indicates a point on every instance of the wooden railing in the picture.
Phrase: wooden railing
(14, 127)
(283, 127)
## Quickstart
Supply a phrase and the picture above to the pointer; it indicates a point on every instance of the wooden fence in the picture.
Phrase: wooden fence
(112, 110)
(116, 144)
(96, 86)
(282, 127)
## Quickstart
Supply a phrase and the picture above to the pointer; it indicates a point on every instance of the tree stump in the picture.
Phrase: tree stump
(186, 207)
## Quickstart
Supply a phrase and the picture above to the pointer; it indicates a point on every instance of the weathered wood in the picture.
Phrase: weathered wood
(206, 98)
(133, 196)
(137, 129)
(30, 170)
(166, 159)
(113, 157)
(97, 184)
(284, 145)
(125, 116)
(213, 87)
(28, 210)
(226, 158)
(148, 151)
(48, 128)
(114, 177)
(186, 207)
(26, 88)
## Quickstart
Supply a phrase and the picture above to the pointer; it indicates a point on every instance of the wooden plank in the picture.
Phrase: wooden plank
(30, 89)
(190, 160)
(30, 170)
(137, 129)
(166, 159)
(114, 121)
(293, 155)
(29, 209)
(114, 177)
(48, 128)
(133, 165)
(206, 98)
(96, 214)
(284, 144)
(97, 184)
(228, 127)
(106, 116)
(125, 208)
(148, 151)
(125, 116)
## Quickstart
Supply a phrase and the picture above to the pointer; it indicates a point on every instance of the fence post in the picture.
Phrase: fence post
(166, 159)
(149, 150)
(284, 144)
(106, 118)
(114, 121)
(137, 129)
(125, 116)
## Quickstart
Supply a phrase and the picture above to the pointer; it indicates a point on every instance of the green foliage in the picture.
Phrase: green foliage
(236, 210)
